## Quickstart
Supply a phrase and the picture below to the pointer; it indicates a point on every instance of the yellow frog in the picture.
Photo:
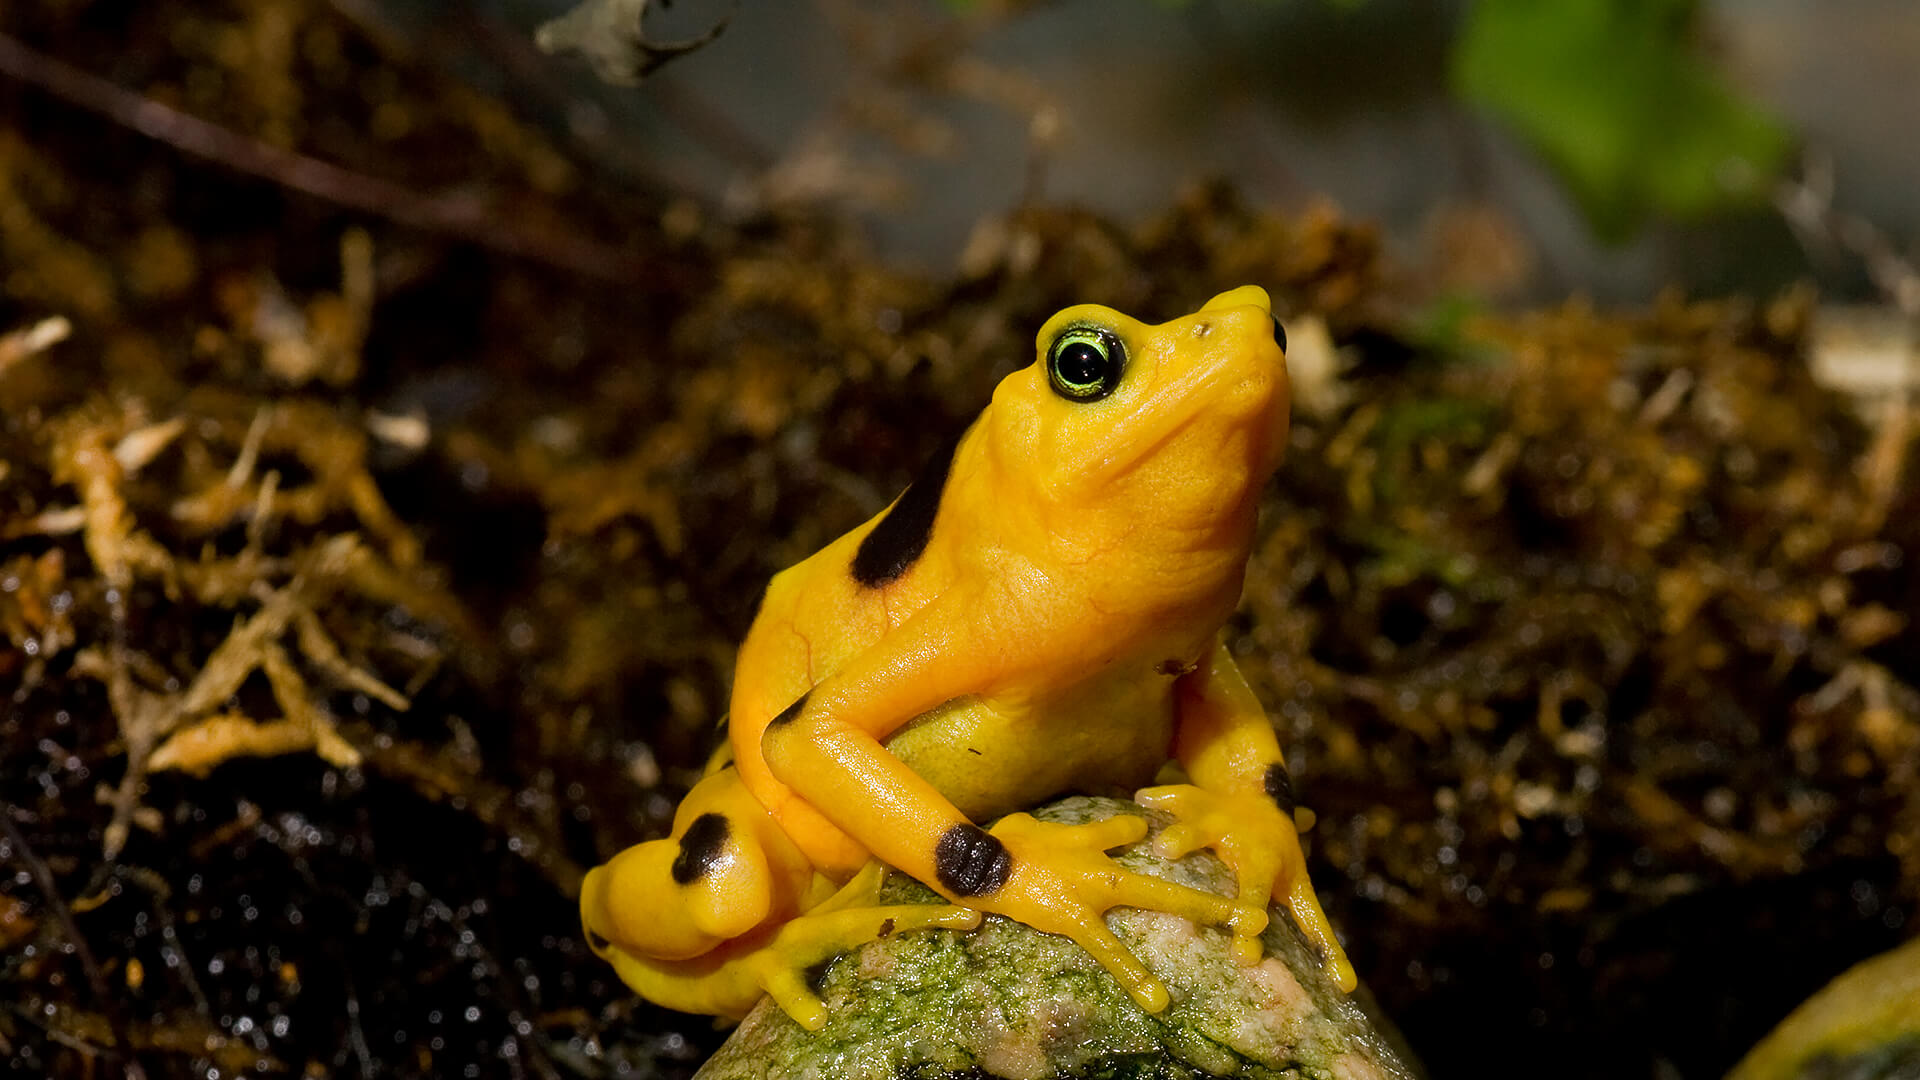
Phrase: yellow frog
(1038, 613)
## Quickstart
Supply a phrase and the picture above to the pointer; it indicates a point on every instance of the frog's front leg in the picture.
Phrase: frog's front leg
(1241, 803)
(1055, 878)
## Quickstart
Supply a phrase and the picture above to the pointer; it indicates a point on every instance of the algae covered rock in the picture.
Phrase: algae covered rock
(1864, 1025)
(1009, 1001)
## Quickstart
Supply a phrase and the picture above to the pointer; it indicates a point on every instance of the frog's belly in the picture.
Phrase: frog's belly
(993, 757)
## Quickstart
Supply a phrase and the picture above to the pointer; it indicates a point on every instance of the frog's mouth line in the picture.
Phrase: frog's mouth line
(1178, 405)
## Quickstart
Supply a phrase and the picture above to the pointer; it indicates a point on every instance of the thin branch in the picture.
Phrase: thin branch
(96, 980)
(1807, 205)
(465, 217)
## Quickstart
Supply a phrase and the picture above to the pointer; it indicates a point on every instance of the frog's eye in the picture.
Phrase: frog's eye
(1084, 363)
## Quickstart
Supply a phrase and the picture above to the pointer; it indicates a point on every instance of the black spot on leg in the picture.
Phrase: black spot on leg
(1279, 787)
(1176, 667)
(791, 713)
(886, 928)
(969, 861)
(700, 847)
(901, 535)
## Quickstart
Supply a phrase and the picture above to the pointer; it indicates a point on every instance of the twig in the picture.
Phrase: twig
(465, 217)
(171, 948)
(357, 1035)
(96, 981)
(41, 336)
(1807, 205)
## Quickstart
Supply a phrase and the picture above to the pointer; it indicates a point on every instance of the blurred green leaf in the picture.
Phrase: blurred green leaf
(1614, 95)
(1439, 328)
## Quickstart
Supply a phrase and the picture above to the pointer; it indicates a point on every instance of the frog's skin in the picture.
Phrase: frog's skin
(1038, 613)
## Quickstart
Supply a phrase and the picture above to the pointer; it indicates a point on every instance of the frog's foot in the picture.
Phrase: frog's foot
(1258, 840)
(780, 966)
(727, 981)
(1059, 879)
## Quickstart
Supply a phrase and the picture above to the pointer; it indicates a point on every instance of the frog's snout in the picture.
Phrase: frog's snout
(1252, 296)
(1244, 296)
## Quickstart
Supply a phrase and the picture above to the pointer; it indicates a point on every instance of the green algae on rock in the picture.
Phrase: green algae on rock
(1010, 1001)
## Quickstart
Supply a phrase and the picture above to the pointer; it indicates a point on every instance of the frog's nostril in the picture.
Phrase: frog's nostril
(1279, 335)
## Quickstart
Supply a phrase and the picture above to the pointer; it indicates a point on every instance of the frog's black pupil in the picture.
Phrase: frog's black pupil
(1081, 365)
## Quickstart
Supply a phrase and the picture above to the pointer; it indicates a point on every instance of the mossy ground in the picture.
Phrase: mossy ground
(1589, 634)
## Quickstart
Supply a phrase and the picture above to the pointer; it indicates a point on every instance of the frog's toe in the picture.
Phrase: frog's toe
(788, 989)
(1190, 807)
(1178, 840)
(1198, 905)
(1312, 921)
(1103, 835)
(1170, 798)
(1146, 991)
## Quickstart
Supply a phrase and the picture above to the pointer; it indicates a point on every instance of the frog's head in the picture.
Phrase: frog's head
(1184, 420)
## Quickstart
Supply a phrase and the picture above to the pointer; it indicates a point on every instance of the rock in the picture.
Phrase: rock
(1864, 1025)
(1009, 1001)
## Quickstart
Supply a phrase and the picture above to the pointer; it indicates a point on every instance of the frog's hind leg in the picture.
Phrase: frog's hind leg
(729, 980)
(844, 922)
(1240, 804)
(725, 870)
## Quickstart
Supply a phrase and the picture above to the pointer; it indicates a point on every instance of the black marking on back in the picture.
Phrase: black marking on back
(722, 735)
(700, 847)
(791, 713)
(901, 535)
(1279, 785)
(970, 861)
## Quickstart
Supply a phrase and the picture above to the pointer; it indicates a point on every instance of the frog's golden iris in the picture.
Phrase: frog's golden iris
(1038, 613)
(1085, 363)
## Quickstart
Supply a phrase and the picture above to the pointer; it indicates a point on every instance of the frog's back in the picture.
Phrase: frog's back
(813, 618)
(846, 597)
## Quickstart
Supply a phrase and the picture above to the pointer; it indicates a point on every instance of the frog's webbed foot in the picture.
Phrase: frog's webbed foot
(728, 981)
(1060, 880)
(1252, 835)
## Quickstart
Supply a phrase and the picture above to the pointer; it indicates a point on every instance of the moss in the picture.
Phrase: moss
(1009, 1001)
